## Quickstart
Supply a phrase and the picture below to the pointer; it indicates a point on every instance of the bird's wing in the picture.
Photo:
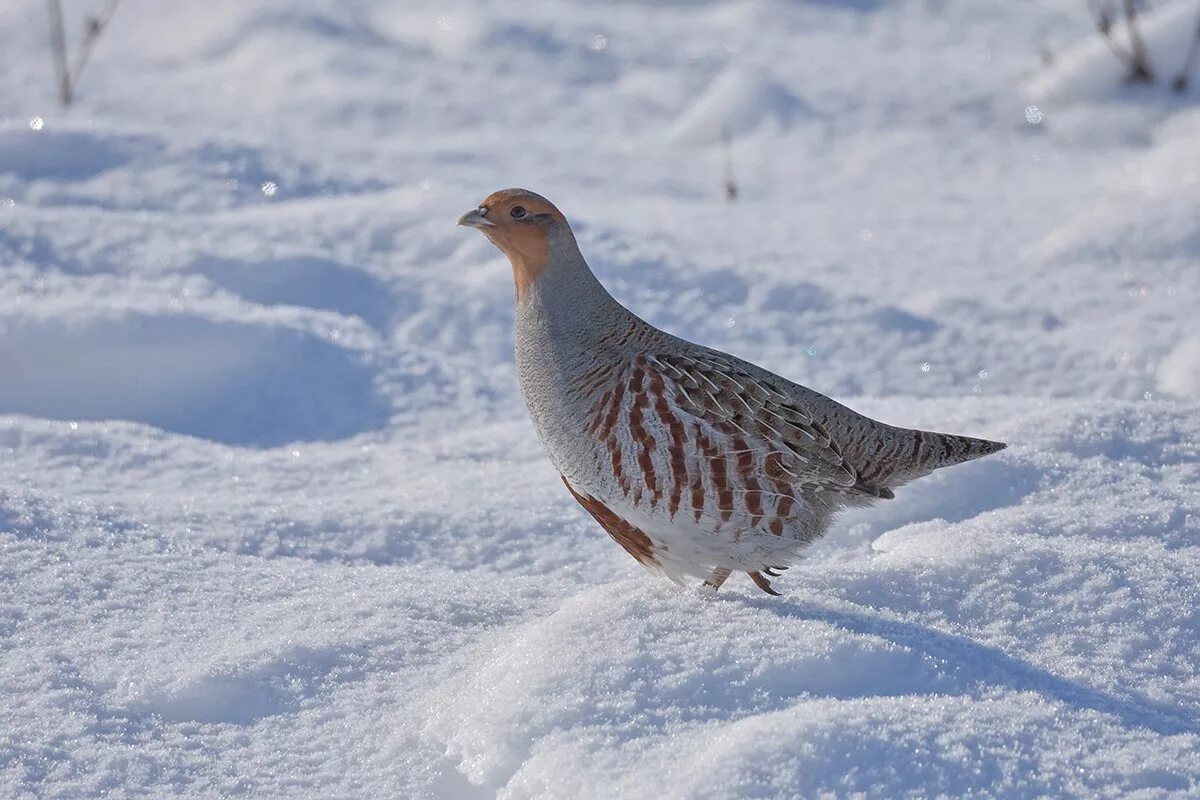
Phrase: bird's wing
(750, 414)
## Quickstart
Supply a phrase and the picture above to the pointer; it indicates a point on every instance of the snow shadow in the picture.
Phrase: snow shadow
(66, 155)
(230, 382)
(971, 663)
(117, 168)
(244, 694)
(953, 495)
(306, 281)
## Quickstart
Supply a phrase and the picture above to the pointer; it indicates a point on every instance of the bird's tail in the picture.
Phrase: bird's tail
(930, 451)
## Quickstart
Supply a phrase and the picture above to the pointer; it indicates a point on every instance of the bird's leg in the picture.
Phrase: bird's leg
(717, 578)
(762, 583)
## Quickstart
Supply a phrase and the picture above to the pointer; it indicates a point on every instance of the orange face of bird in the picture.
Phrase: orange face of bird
(518, 222)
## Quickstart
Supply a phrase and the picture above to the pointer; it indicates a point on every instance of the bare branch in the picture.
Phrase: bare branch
(95, 26)
(731, 187)
(58, 45)
(1189, 62)
(68, 76)
(1139, 68)
(1103, 11)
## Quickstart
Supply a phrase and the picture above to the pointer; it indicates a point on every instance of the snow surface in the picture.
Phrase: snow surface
(273, 522)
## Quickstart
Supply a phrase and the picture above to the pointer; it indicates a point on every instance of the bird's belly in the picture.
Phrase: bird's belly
(696, 519)
(686, 547)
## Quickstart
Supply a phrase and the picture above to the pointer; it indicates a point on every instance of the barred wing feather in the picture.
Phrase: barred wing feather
(795, 449)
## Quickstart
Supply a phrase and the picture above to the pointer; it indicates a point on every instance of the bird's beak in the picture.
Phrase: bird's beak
(475, 219)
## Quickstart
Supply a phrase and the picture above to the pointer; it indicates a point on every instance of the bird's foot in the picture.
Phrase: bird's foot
(717, 578)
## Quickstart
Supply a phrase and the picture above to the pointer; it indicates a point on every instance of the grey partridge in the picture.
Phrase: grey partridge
(696, 462)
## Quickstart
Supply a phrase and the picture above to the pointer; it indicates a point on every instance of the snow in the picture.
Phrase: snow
(1179, 372)
(273, 521)
(738, 102)
(1089, 71)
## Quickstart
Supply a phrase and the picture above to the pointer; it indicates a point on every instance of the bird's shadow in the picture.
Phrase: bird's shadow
(974, 666)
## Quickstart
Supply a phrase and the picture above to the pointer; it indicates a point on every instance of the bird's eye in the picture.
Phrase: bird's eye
(517, 212)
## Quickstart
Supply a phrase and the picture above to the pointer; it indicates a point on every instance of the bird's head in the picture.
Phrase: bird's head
(526, 227)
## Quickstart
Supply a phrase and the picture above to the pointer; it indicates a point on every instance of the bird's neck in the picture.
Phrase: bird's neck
(566, 302)
(567, 326)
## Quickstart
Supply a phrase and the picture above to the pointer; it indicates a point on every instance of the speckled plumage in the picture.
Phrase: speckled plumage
(696, 462)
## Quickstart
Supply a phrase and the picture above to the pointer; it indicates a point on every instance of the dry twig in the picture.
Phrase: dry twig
(1140, 71)
(1135, 59)
(68, 76)
(1189, 62)
(731, 187)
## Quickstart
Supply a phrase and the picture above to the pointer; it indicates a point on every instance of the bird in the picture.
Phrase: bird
(698, 463)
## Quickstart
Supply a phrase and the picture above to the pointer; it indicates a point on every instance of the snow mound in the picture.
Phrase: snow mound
(1179, 372)
(235, 383)
(870, 748)
(740, 100)
(127, 169)
(637, 659)
(306, 281)
(242, 694)
(1089, 71)
(1168, 223)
